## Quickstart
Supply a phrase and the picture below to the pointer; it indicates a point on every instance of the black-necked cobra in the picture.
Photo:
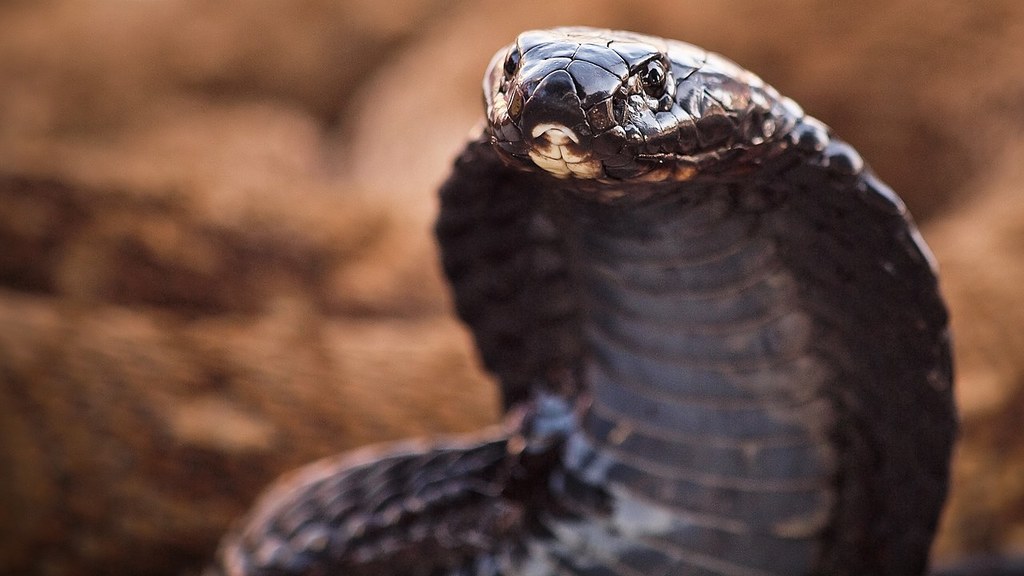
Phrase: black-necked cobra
(719, 337)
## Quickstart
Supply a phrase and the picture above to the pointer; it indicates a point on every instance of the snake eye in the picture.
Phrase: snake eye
(512, 62)
(652, 77)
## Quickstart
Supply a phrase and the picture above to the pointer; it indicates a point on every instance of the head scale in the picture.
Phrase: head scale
(604, 105)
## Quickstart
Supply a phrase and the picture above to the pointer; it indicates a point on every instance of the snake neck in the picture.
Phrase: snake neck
(700, 417)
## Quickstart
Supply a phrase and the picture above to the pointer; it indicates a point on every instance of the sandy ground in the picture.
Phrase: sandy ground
(215, 259)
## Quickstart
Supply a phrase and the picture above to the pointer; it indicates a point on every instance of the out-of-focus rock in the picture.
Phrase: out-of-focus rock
(979, 245)
(131, 437)
(83, 65)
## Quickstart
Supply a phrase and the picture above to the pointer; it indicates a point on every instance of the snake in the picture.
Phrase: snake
(719, 338)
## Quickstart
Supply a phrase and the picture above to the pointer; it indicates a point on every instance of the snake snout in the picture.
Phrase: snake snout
(559, 136)
(552, 102)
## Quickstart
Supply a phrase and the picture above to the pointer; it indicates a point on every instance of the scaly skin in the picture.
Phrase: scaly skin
(719, 336)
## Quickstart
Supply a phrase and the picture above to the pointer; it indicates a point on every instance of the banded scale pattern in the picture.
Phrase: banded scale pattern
(705, 416)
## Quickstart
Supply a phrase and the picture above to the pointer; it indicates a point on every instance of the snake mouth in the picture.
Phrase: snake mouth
(555, 133)
(556, 149)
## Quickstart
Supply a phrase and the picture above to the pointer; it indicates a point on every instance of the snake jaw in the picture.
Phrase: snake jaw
(556, 149)
(555, 133)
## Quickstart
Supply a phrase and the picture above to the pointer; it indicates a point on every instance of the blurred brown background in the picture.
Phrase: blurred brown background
(215, 259)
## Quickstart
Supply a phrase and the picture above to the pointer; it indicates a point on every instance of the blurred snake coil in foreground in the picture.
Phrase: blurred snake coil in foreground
(719, 338)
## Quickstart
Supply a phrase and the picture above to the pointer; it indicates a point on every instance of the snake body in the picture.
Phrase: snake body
(719, 338)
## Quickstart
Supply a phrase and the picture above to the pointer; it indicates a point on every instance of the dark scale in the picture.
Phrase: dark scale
(719, 338)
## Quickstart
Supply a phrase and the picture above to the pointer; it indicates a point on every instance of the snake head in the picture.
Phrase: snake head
(604, 105)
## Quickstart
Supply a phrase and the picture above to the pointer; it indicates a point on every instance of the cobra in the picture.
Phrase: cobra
(719, 338)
